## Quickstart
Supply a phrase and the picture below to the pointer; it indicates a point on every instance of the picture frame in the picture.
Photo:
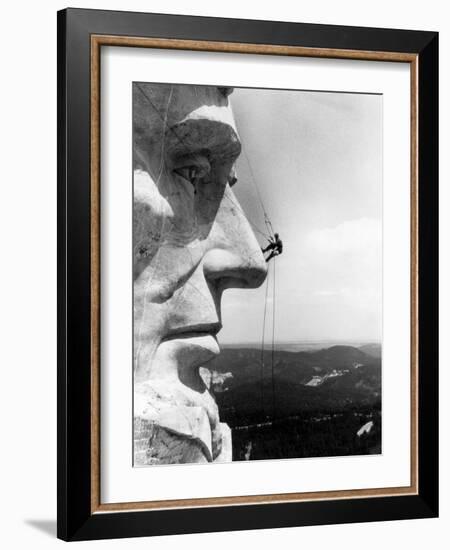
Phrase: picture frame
(81, 36)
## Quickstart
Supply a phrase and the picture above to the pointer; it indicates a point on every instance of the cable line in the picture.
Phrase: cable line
(262, 343)
(273, 338)
(252, 177)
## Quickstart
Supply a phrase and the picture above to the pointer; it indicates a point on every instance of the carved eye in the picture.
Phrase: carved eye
(189, 173)
(192, 168)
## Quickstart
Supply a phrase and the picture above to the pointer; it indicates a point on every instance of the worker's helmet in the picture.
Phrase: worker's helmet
(276, 235)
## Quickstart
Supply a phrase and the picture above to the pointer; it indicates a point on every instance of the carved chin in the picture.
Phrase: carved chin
(174, 424)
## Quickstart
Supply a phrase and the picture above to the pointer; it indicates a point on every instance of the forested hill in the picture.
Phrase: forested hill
(325, 380)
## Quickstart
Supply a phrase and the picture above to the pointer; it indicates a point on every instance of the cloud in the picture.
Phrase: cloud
(345, 264)
(355, 236)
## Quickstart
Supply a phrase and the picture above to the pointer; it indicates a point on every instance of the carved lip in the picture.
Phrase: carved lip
(194, 345)
(192, 331)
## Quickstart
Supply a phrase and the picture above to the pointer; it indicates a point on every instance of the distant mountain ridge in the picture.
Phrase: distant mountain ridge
(306, 345)
(372, 349)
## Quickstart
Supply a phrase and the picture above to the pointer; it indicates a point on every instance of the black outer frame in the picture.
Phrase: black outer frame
(75, 521)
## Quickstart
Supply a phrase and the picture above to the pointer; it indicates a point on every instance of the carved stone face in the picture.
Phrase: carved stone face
(191, 242)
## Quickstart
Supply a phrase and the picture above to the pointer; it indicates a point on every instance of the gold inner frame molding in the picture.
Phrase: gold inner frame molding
(97, 41)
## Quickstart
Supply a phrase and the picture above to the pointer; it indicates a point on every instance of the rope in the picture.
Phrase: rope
(163, 140)
(258, 193)
(252, 177)
(273, 338)
(271, 232)
(262, 345)
(255, 227)
(269, 226)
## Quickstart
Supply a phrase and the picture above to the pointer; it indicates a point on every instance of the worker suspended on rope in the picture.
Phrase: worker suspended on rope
(275, 246)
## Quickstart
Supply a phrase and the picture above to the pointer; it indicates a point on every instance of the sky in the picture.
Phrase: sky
(316, 159)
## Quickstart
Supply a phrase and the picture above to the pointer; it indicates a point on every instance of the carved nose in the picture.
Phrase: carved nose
(235, 270)
(233, 258)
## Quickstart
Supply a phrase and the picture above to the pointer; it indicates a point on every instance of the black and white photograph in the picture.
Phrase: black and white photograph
(225, 247)
(257, 269)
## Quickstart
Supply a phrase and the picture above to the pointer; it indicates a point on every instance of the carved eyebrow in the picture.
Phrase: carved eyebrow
(192, 158)
(215, 139)
(203, 152)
